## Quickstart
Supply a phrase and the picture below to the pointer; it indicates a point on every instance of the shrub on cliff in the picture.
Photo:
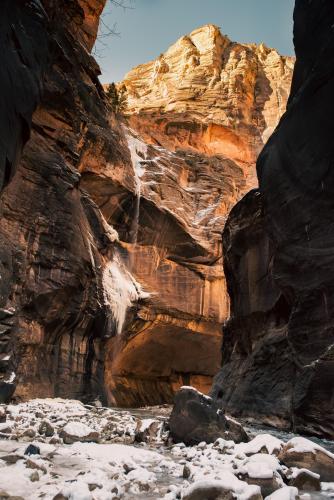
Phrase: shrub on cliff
(117, 98)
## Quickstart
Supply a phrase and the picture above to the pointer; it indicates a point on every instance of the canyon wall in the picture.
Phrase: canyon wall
(195, 120)
(112, 284)
(278, 363)
(54, 241)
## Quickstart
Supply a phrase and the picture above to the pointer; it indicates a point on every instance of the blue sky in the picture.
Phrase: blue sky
(151, 26)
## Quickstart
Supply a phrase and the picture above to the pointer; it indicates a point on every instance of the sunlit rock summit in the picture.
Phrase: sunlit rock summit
(212, 95)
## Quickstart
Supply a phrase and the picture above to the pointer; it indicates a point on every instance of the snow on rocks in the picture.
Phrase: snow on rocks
(286, 493)
(134, 458)
(303, 453)
(227, 487)
(264, 471)
(76, 431)
(263, 443)
(304, 479)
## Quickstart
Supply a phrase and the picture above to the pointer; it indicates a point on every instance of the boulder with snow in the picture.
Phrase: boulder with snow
(46, 429)
(77, 431)
(196, 418)
(262, 470)
(147, 430)
(227, 488)
(304, 479)
(262, 443)
(286, 493)
(304, 454)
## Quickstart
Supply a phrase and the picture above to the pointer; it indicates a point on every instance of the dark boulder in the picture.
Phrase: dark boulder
(196, 418)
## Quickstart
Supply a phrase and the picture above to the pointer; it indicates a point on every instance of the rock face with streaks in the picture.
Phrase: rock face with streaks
(196, 118)
(55, 242)
(278, 361)
(112, 283)
(211, 95)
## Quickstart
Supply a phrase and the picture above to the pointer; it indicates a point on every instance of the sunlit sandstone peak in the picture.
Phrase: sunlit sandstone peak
(210, 94)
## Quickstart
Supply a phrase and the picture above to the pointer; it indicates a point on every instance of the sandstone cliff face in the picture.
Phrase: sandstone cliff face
(210, 94)
(278, 355)
(112, 283)
(169, 225)
(55, 243)
(195, 120)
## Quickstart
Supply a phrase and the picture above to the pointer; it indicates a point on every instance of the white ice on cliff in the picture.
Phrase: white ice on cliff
(120, 289)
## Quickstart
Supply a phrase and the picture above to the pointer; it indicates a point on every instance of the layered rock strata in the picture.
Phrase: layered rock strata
(55, 242)
(211, 95)
(196, 119)
(278, 350)
(111, 259)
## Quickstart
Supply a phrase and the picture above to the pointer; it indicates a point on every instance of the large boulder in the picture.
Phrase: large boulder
(196, 418)
(304, 454)
(228, 488)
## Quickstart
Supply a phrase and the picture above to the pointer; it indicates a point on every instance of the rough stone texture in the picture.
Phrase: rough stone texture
(193, 131)
(256, 361)
(196, 418)
(210, 94)
(282, 367)
(170, 229)
(318, 461)
(54, 240)
(86, 313)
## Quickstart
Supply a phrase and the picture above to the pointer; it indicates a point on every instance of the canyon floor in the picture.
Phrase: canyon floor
(62, 449)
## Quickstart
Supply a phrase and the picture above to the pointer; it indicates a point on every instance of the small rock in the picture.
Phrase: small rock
(76, 431)
(46, 429)
(32, 450)
(147, 430)
(31, 433)
(94, 486)
(128, 468)
(3, 415)
(59, 496)
(55, 440)
(6, 429)
(11, 459)
(34, 476)
(267, 485)
(186, 472)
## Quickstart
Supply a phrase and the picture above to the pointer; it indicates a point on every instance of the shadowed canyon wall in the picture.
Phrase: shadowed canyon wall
(278, 362)
(112, 283)
(54, 242)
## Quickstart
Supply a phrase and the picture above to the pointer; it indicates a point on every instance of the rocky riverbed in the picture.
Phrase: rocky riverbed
(62, 449)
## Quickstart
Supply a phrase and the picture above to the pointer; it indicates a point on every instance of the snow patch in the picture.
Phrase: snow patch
(303, 445)
(121, 290)
(138, 151)
(266, 441)
(77, 429)
(286, 493)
